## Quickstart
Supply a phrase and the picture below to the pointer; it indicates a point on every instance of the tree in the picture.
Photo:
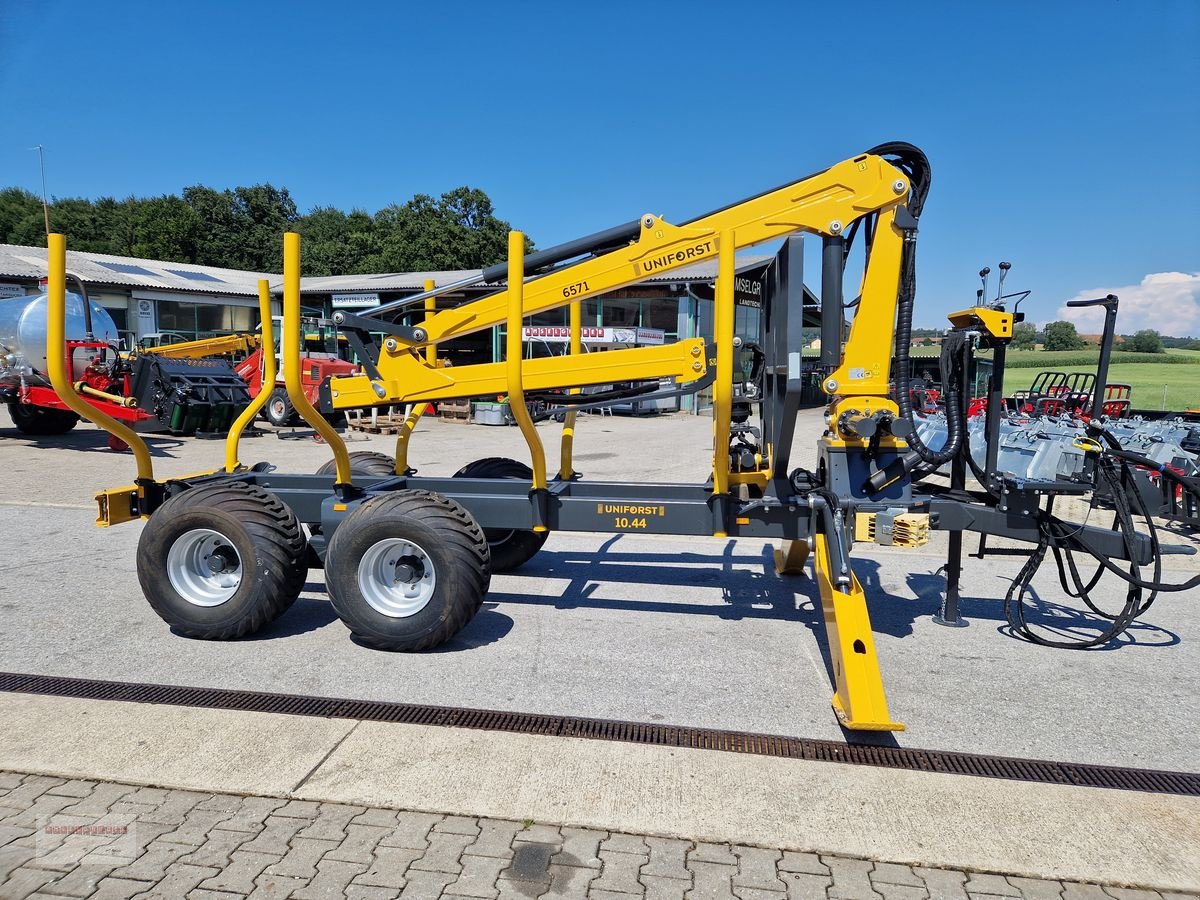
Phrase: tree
(1145, 341)
(241, 229)
(16, 207)
(1024, 336)
(459, 230)
(1063, 336)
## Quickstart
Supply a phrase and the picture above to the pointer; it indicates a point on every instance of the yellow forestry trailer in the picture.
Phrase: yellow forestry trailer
(408, 559)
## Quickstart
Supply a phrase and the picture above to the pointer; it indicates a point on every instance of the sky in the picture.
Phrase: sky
(1063, 134)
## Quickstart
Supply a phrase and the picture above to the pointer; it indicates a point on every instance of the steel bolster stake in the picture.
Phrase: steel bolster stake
(291, 364)
(265, 386)
(516, 389)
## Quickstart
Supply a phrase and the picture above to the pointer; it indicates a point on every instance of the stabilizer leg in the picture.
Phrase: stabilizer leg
(791, 557)
(859, 700)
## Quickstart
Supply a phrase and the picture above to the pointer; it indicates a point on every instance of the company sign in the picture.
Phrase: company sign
(560, 334)
(355, 301)
(11, 290)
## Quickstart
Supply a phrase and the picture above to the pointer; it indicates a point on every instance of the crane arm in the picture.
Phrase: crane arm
(826, 203)
(217, 346)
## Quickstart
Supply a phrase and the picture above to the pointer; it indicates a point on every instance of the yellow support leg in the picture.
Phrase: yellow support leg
(859, 700)
(791, 557)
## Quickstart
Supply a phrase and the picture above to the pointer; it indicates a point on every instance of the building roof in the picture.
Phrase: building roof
(102, 268)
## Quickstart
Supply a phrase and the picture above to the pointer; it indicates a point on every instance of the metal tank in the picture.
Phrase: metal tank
(23, 335)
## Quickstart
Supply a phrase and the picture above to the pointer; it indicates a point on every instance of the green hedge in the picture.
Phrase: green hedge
(1052, 359)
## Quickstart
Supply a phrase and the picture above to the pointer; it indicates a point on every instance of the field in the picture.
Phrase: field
(1178, 375)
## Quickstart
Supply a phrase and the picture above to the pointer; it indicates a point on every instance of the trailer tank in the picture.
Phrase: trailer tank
(23, 335)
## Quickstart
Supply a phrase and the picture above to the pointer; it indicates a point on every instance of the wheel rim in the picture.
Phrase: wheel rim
(277, 409)
(396, 578)
(204, 567)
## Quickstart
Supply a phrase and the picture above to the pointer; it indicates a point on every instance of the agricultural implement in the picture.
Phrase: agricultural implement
(408, 559)
(147, 392)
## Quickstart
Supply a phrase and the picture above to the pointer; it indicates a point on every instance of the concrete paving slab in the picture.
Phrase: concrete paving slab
(1038, 830)
(163, 746)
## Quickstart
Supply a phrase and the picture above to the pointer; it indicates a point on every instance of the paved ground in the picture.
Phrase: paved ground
(697, 632)
(75, 838)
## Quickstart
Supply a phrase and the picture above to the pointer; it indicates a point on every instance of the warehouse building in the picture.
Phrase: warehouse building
(146, 296)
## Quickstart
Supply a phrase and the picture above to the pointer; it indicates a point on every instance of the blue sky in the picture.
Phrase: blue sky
(1064, 136)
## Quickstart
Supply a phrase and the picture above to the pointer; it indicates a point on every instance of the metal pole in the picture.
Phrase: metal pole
(948, 613)
(45, 202)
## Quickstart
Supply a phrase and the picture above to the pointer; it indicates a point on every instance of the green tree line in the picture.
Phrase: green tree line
(241, 229)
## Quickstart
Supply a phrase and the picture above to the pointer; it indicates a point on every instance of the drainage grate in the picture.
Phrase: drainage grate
(1159, 782)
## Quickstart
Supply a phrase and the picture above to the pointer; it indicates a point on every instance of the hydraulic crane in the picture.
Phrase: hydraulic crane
(408, 559)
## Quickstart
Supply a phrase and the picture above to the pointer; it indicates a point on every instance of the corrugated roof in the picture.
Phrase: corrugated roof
(387, 281)
(103, 268)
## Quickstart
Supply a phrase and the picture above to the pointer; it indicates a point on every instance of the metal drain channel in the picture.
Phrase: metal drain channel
(949, 762)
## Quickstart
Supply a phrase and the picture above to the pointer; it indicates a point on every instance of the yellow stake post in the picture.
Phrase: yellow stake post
(513, 360)
(266, 382)
(418, 410)
(566, 467)
(291, 359)
(56, 360)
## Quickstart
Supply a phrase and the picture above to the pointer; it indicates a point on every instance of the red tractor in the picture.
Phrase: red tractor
(325, 353)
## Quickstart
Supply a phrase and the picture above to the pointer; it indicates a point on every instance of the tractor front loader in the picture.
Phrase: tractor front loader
(408, 559)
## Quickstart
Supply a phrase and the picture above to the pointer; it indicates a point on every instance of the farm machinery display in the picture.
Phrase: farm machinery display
(148, 392)
(408, 559)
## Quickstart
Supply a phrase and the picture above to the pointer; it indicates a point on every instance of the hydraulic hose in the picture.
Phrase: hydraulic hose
(1114, 468)
(915, 165)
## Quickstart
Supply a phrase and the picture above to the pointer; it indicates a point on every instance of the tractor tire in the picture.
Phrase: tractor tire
(38, 421)
(511, 548)
(221, 561)
(279, 410)
(407, 570)
(363, 462)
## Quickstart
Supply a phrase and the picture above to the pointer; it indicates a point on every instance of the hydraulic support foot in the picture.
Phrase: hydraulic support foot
(859, 700)
(791, 557)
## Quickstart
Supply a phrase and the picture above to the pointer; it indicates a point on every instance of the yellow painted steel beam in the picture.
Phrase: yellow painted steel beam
(723, 328)
(56, 362)
(267, 375)
(866, 362)
(291, 359)
(513, 361)
(825, 203)
(858, 700)
(416, 410)
(566, 466)
(412, 380)
(229, 343)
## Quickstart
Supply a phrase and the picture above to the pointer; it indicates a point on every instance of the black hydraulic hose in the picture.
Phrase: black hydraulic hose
(915, 165)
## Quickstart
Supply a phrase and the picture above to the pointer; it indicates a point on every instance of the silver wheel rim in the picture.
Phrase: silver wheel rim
(204, 567)
(277, 408)
(396, 578)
